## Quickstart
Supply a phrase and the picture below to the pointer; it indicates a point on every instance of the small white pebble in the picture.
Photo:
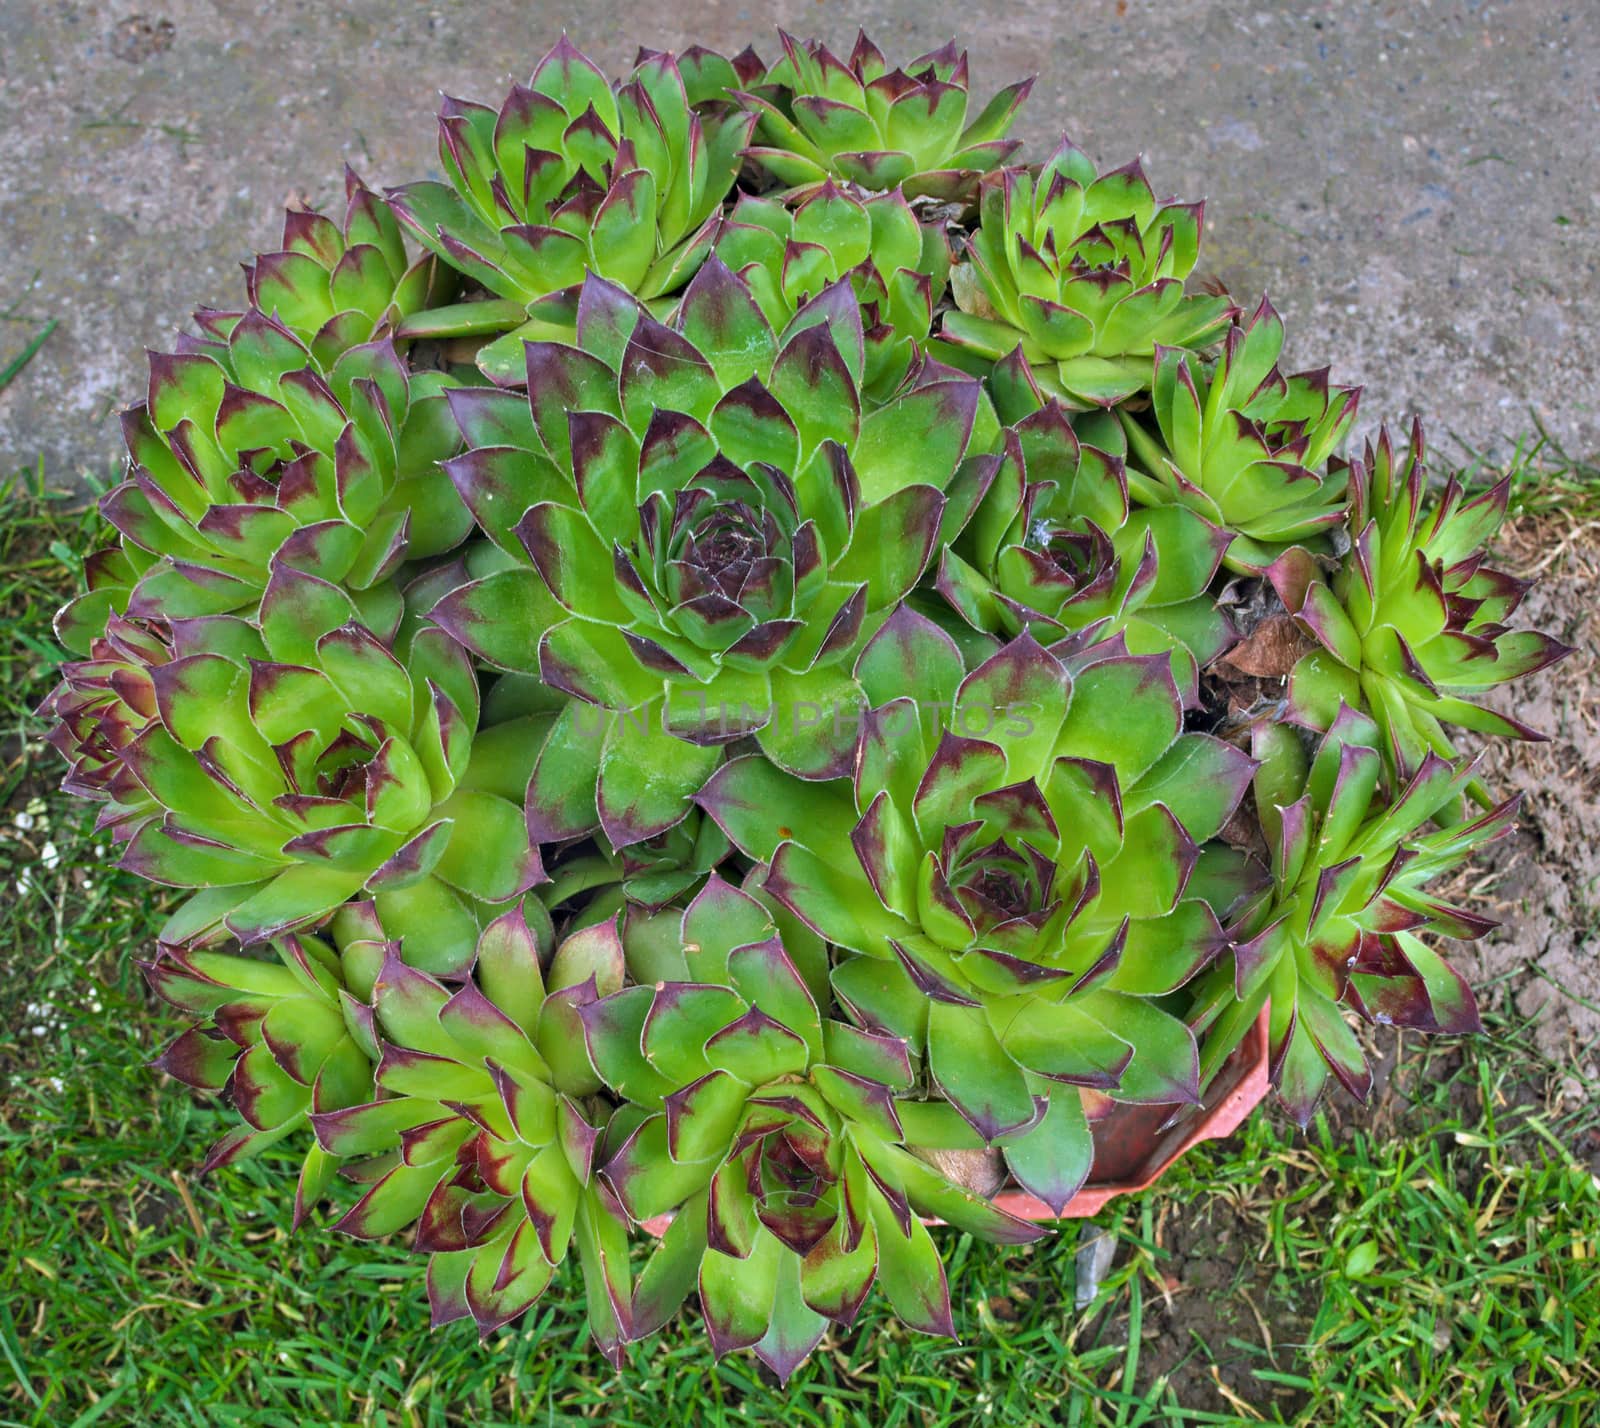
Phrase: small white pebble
(94, 1006)
(50, 855)
(24, 821)
(38, 1031)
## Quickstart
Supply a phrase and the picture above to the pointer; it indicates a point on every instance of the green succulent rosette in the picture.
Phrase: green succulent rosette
(100, 707)
(338, 285)
(1412, 627)
(1084, 273)
(1341, 922)
(773, 1136)
(820, 117)
(1024, 883)
(895, 263)
(246, 456)
(482, 1136)
(279, 1040)
(573, 175)
(1056, 548)
(292, 766)
(698, 527)
(1248, 448)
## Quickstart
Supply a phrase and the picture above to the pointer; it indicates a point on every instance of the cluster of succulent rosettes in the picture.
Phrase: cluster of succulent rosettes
(701, 528)
(1338, 922)
(820, 117)
(1026, 881)
(247, 456)
(705, 718)
(1083, 273)
(1412, 626)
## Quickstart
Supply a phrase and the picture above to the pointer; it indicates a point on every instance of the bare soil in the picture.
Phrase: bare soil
(1544, 882)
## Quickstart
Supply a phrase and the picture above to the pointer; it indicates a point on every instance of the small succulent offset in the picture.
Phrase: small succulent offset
(1245, 446)
(338, 285)
(1412, 625)
(573, 175)
(1085, 273)
(247, 455)
(1056, 547)
(896, 264)
(1339, 920)
(820, 117)
(687, 708)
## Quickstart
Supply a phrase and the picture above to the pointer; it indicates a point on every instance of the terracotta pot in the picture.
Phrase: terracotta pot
(1132, 1150)
(1134, 1145)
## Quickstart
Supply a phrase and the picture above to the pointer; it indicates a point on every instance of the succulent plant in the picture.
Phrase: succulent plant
(820, 117)
(289, 767)
(246, 455)
(100, 708)
(1085, 273)
(1055, 548)
(1412, 627)
(338, 285)
(571, 176)
(694, 735)
(896, 265)
(280, 1040)
(773, 1136)
(700, 528)
(1024, 841)
(1342, 920)
(485, 1130)
(1245, 446)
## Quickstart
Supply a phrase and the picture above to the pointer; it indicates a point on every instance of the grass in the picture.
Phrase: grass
(11, 368)
(1547, 481)
(1436, 1261)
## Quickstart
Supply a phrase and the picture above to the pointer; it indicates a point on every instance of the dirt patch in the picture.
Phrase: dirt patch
(1544, 883)
(1222, 1293)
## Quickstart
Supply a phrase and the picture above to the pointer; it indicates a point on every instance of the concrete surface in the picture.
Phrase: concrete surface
(1414, 183)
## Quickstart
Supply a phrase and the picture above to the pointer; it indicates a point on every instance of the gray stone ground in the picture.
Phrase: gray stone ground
(1415, 183)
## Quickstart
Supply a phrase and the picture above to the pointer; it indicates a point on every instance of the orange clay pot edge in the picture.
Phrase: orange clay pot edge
(1213, 1123)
